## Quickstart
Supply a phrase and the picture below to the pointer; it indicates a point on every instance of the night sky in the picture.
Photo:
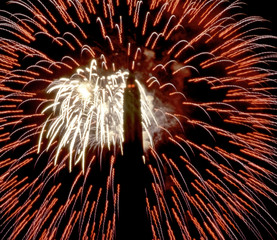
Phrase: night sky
(264, 8)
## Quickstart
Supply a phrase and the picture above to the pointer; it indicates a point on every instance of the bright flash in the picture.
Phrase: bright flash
(84, 90)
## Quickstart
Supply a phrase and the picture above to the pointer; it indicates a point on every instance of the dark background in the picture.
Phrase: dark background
(264, 8)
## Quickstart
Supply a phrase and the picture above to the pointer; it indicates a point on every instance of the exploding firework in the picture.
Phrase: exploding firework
(90, 113)
(205, 77)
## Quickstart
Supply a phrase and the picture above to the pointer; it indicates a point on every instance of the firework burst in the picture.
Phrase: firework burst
(206, 82)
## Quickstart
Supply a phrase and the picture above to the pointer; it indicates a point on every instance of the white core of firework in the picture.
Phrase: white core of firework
(87, 113)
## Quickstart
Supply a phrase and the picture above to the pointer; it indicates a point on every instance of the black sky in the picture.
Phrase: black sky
(265, 9)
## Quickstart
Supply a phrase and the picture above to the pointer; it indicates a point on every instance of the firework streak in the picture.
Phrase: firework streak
(205, 76)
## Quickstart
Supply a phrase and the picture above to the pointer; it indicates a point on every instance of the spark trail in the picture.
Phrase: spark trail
(207, 84)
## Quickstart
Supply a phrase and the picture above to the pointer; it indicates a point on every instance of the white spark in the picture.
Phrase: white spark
(87, 113)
